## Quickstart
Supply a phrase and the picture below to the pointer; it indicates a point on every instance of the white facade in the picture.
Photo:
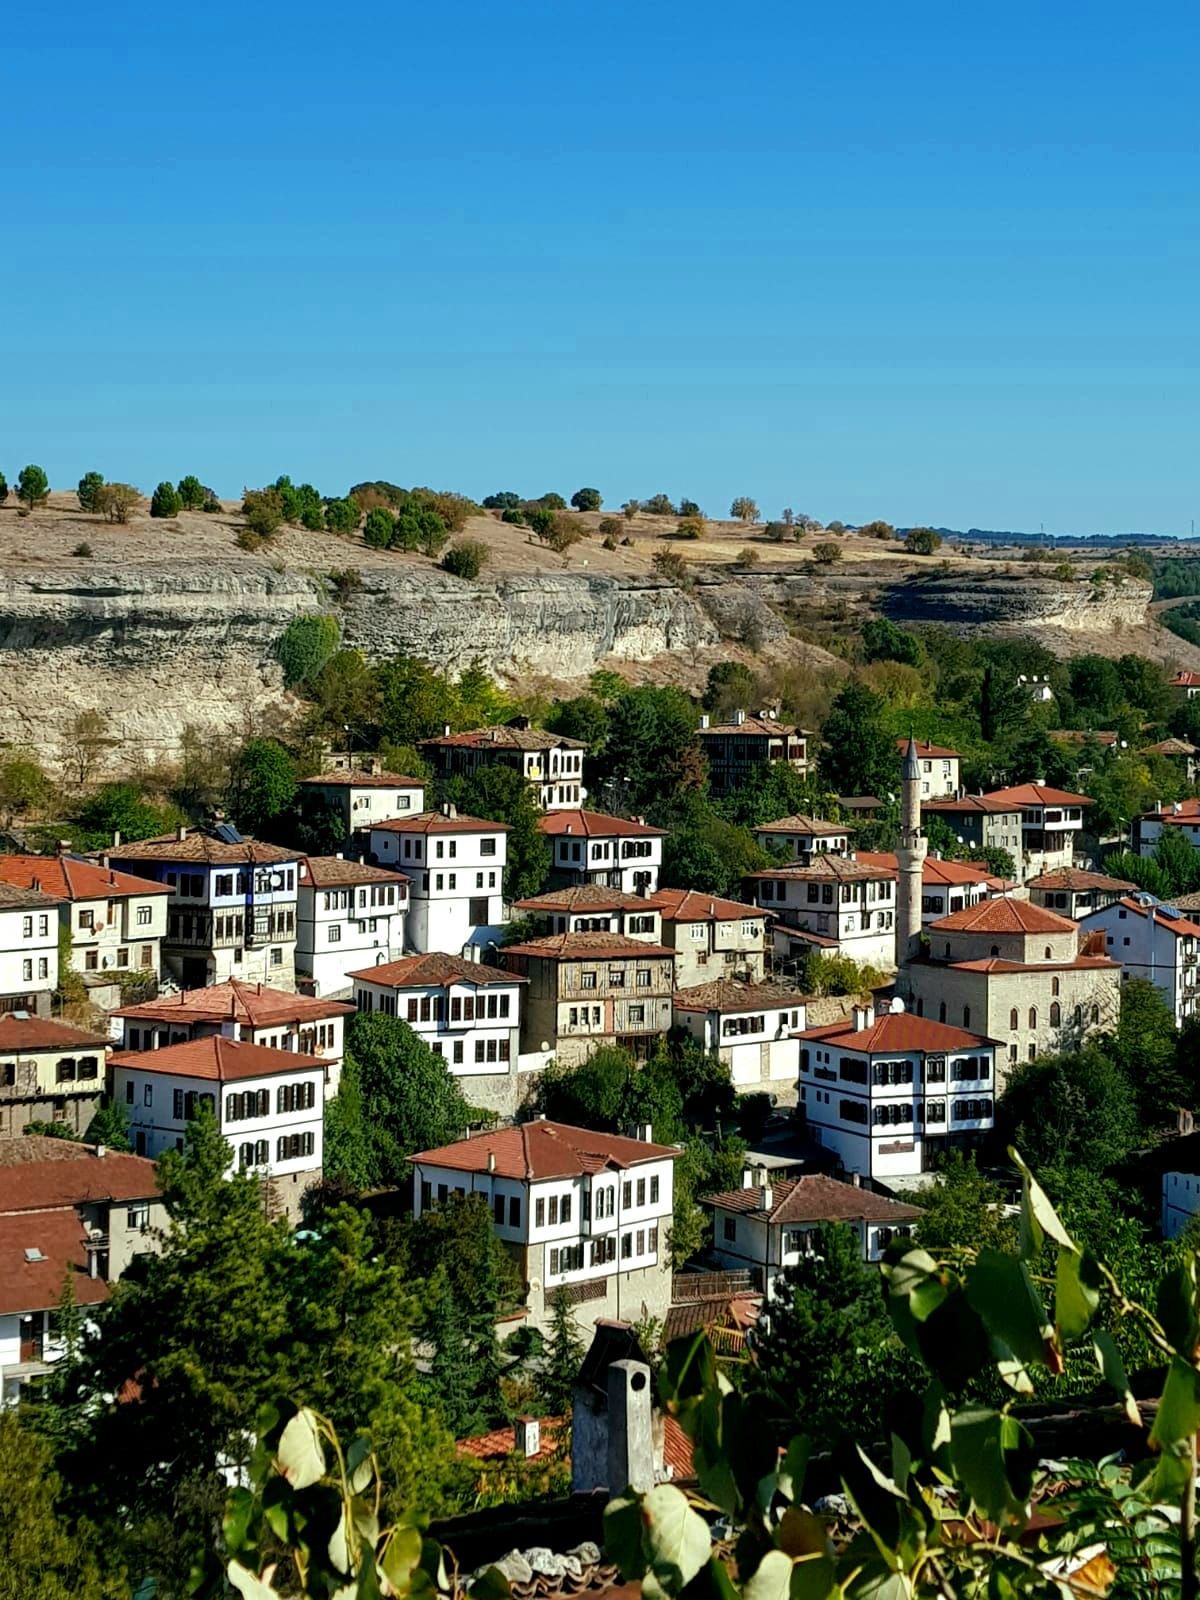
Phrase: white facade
(1152, 940)
(366, 797)
(589, 847)
(1180, 1202)
(755, 1037)
(938, 770)
(1051, 823)
(28, 952)
(472, 1024)
(855, 917)
(119, 934)
(802, 836)
(456, 878)
(344, 925)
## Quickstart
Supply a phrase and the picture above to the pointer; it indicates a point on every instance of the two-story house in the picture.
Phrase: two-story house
(348, 913)
(981, 822)
(579, 1211)
(550, 763)
(594, 908)
(1072, 892)
(49, 1072)
(835, 904)
(589, 989)
(455, 867)
(363, 796)
(466, 1012)
(590, 847)
(1185, 684)
(71, 1215)
(1019, 974)
(1180, 752)
(232, 910)
(29, 920)
(269, 1106)
(751, 1027)
(116, 921)
(1183, 816)
(939, 768)
(769, 1224)
(736, 750)
(889, 1094)
(1152, 940)
(803, 836)
(277, 1019)
(945, 885)
(712, 937)
(1051, 823)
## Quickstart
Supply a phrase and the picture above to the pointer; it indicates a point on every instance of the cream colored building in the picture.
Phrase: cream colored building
(49, 1072)
(751, 1027)
(712, 938)
(117, 921)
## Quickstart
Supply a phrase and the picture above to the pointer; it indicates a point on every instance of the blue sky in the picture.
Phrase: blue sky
(937, 263)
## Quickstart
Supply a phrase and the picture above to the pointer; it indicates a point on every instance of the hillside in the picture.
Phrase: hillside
(163, 623)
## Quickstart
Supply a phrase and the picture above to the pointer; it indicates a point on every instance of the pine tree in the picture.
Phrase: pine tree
(165, 501)
(560, 1365)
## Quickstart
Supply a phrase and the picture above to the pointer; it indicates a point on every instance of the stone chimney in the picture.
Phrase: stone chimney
(64, 846)
(450, 810)
(491, 1168)
(372, 766)
(739, 716)
(705, 720)
(528, 1436)
(181, 833)
(445, 730)
(630, 1437)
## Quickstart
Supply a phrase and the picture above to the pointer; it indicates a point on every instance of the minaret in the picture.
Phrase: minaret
(910, 854)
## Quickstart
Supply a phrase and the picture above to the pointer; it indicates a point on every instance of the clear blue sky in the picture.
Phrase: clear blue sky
(932, 262)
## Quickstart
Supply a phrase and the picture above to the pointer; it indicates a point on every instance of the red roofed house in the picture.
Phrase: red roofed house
(802, 836)
(1155, 940)
(591, 847)
(945, 885)
(888, 1094)
(1051, 822)
(117, 922)
(589, 989)
(69, 1213)
(737, 750)
(939, 768)
(711, 937)
(551, 764)
(466, 1012)
(269, 1105)
(1186, 684)
(1019, 973)
(775, 1224)
(751, 1027)
(836, 904)
(49, 1072)
(364, 795)
(348, 913)
(594, 908)
(251, 1012)
(1183, 817)
(588, 1212)
(29, 919)
(978, 820)
(1073, 892)
(455, 867)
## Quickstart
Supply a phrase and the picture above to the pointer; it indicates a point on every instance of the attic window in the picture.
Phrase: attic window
(32, 1253)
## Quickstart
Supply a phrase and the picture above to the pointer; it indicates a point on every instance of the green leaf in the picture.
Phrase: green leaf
(800, 1533)
(1176, 1307)
(1077, 1283)
(1038, 1216)
(300, 1453)
(813, 1578)
(339, 1546)
(401, 1557)
(1179, 1409)
(248, 1584)
(1001, 1291)
(360, 1467)
(788, 1479)
(623, 1535)
(772, 1580)
(874, 1496)
(1112, 1370)
(239, 1510)
(676, 1540)
(980, 1440)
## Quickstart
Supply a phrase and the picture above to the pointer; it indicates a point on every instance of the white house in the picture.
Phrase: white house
(835, 904)
(1183, 816)
(581, 1211)
(551, 764)
(1051, 823)
(69, 1214)
(946, 886)
(1073, 892)
(803, 836)
(1152, 940)
(232, 911)
(466, 1012)
(364, 795)
(116, 921)
(590, 847)
(593, 908)
(348, 913)
(767, 1226)
(939, 768)
(455, 867)
(887, 1095)
(751, 1027)
(269, 1106)
(28, 948)
(277, 1019)
(49, 1072)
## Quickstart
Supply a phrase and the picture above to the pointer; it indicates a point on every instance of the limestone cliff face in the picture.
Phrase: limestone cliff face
(1006, 603)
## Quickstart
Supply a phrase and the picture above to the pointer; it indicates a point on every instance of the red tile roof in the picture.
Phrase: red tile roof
(596, 825)
(38, 1173)
(897, 1031)
(970, 803)
(1181, 926)
(70, 878)
(1030, 796)
(255, 1004)
(586, 947)
(814, 1198)
(692, 905)
(1003, 915)
(843, 869)
(935, 871)
(339, 778)
(1186, 680)
(727, 995)
(324, 872)
(1180, 811)
(19, 1033)
(59, 1242)
(1000, 965)
(541, 1149)
(201, 848)
(18, 897)
(1170, 747)
(218, 1059)
(505, 738)
(927, 751)
(1077, 879)
(438, 822)
(755, 725)
(588, 897)
(501, 1443)
(418, 972)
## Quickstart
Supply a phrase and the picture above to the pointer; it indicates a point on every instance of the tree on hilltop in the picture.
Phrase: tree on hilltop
(165, 501)
(192, 493)
(91, 486)
(33, 486)
(587, 500)
(744, 509)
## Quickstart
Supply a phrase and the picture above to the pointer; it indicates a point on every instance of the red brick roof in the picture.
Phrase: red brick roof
(19, 1033)
(218, 1059)
(69, 878)
(38, 1173)
(418, 972)
(1029, 796)
(339, 778)
(898, 1031)
(969, 802)
(59, 1240)
(954, 874)
(692, 905)
(1176, 924)
(814, 1198)
(439, 822)
(596, 825)
(843, 869)
(586, 947)
(501, 1443)
(252, 1003)
(727, 995)
(1000, 965)
(1076, 878)
(537, 1150)
(1186, 680)
(1004, 915)
(1180, 811)
(927, 751)
(326, 872)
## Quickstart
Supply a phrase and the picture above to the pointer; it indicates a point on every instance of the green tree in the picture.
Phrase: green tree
(409, 1100)
(3, 488)
(1002, 703)
(305, 645)
(122, 808)
(466, 559)
(117, 501)
(730, 686)
(858, 754)
(587, 500)
(744, 509)
(342, 516)
(583, 717)
(24, 786)
(1178, 861)
(263, 513)
(962, 1210)
(262, 785)
(1079, 1109)
(1143, 871)
(501, 794)
(165, 501)
(826, 551)
(109, 1126)
(379, 530)
(90, 486)
(652, 749)
(192, 493)
(506, 500)
(884, 641)
(922, 541)
(33, 486)
(560, 1364)
(1146, 1048)
(44, 1553)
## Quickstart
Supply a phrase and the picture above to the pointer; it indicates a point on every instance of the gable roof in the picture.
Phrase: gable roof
(596, 825)
(435, 967)
(936, 871)
(542, 1149)
(754, 725)
(1004, 915)
(340, 778)
(439, 822)
(68, 877)
(21, 897)
(218, 1059)
(727, 995)
(325, 872)
(26, 1032)
(1185, 680)
(38, 1252)
(927, 751)
(1170, 747)
(1030, 796)
(201, 847)
(255, 1004)
(898, 1031)
(1160, 910)
(814, 826)
(588, 897)
(1077, 879)
(693, 905)
(1178, 811)
(505, 738)
(813, 1198)
(842, 869)
(970, 803)
(585, 947)
(38, 1173)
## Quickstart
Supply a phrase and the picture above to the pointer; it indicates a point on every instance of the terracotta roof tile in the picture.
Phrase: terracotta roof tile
(324, 872)
(438, 822)
(435, 967)
(586, 947)
(927, 751)
(693, 905)
(1003, 915)
(253, 1003)
(814, 1198)
(1076, 878)
(219, 1059)
(542, 1149)
(971, 803)
(901, 1031)
(505, 738)
(596, 825)
(588, 897)
(69, 877)
(38, 1173)
(19, 1033)
(59, 1240)
(339, 778)
(822, 868)
(1170, 747)
(202, 848)
(1030, 796)
(727, 995)
(935, 871)
(754, 725)
(1179, 925)
(802, 824)
(17, 897)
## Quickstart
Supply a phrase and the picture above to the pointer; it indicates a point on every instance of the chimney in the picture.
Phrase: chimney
(528, 1436)
(856, 1180)
(739, 717)
(860, 1016)
(646, 1132)
(747, 1177)
(445, 730)
(101, 1151)
(181, 833)
(705, 720)
(492, 1168)
(450, 810)
(766, 1193)
(630, 1441)
(64, 846)
(35, 883)
(372, 766)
